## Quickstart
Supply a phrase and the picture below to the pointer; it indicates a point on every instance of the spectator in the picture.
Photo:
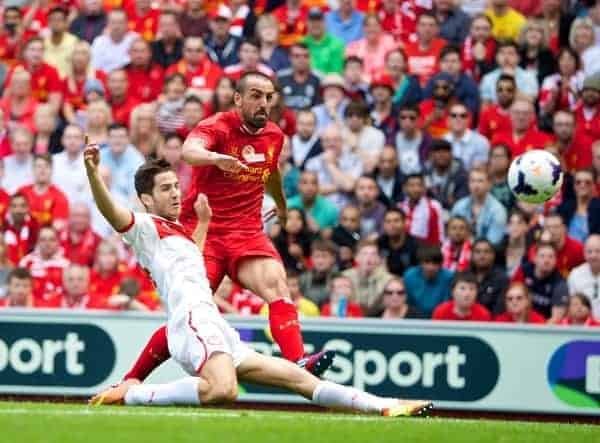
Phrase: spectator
(292, 16)
(193, 110)
(223, 46)
(305, 307)
(560, 91)
(345, 23)
(47, 135)
(59, 45)
(400, 20)
(346, 235)
(18, 105)
(306, 143)
(558, 21)
(492, 280)
(249, 61)
(407, 88)
(122, 159)
(412, 144)
(341, 301)
(19, 291)
(293, 241)
(48, 204)
(371, 209)
(423, 54)
(110, 50)
(519, 307)
(326, 51)
(388, 177)
(394, 302)
(143, 18)
(506, 22)
(19, 165)
(574, 147)
(535, 55)
(169, 116)
(99, 118)
(585, 278)
(495, 117)
(456, 249)
(362, 138)
(581, 213)
(315, 282)
(273, 55)
(122, 101)
(582, 38)
(79, 241)
(479, 47)
(470, 147)
(445, 178)
(12, 35)
(19, 229)
(337, 168)
(321, 213)
(144, 134)
(486, 215)
(193, 22)
(498, 170)
(465, 88)
(6, 267)
(398, 247)
(74, 292)
(548, 288)
(289, 172)
(299, 84)
(435, 111)
(516, 244)
(144, 77)
(587, 111)
(382, 91)
(168, 49)
(46, 264)
(463, 306)
(171, 151)
(579, 312)
(507, 57)
(424, 219)
(107, 274)
(428, 284)
(331, 111)
(90, 21)
(454, 23)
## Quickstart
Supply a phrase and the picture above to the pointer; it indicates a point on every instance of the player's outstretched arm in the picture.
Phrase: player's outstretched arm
(204, 213)
(195, 153)
(117, 216)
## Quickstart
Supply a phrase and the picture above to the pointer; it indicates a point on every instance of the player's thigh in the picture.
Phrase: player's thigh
(215, 263)
(265, 276)
(220, 375)
(273, 371)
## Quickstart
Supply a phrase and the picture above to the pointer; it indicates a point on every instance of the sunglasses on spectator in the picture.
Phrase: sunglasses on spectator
(394, 292)
(408, 117)
(459, 115)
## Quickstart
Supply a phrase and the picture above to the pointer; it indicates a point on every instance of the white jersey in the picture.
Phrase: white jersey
(173, 260)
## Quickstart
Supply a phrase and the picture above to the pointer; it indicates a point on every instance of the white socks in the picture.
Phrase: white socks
(332, 395)
(180, 392)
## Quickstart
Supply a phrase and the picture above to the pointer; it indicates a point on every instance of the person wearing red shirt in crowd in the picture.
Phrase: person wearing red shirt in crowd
(143, 18)
(283, 116)
(518, 307)
(249, 61)
(18, 104)
(4, 196)
(495, 117)
(243, 301)
(46, 264)
(456, 249)
(574, 147)
(20, 229)
(73, 293)
(587, 111)
(434, 112)
(579, 312)
(12, 35)
(524, 135)
(145, 78)
(79, 241)
(382, 113)
(193, 113)
(120, 100)
(19, 290)
(48, 204)
(46, 85)
(423, 55)
(107, 273)
(340, 301)
(463, 306)
(201, 74)
(5, 148)
(171, 151)
(400, 18)
(292, 17)
(479, 48)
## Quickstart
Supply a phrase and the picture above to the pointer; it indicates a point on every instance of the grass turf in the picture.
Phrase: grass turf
(66, 423)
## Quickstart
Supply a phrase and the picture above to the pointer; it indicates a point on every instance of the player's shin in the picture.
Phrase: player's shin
(332, 395)
(153, 355)
(181, 392)
(285, 328)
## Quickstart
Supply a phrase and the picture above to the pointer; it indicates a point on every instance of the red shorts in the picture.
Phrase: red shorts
(223, 253)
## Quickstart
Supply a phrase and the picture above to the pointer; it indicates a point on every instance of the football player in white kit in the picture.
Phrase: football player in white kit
(200, 339)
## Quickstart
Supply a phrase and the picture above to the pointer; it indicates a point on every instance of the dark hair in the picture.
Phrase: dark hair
(410, 108)
(440, 144)
(130, 287)
(449, 49)
(299, 45)
(572, 53)
(32, 40)
(521, 214)
(292, 273)
(19, 274)
(172, 77)
(585, 301)
(45, 157)
(504, 147)
(324, 246)
(418, 175)
(353, 59)
(430, 254)
(17, 195)
(250, 41)
(506, 78)
(117, 126)
(192, 99)
(556, 215)
(545, 244)
(58, 8)
(507, 44)
(483, 241)
(14, 9)
(364, 243)
(431, 15)
(172, 135)
(241, 84)
(358, 108)
(458, 218)
(464, 277)
(144, 176)
(398, 211)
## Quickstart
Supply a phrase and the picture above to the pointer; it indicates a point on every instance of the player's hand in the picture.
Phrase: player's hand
(91, 157)
(229, 164)
(202, 208)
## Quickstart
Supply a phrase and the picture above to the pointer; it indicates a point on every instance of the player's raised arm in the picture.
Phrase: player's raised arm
(195, 153)
(204, 213)
(117, 216)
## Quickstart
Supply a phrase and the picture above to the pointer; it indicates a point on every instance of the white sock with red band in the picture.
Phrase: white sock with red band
(180, 392)
(332, 395)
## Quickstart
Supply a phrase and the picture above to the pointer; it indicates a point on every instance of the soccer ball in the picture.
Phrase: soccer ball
(535, 176)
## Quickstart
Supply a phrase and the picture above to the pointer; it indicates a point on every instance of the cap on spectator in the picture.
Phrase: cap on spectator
(333, 80)
(315, 13)
(223, 12)
(438, 144)
(93, 85)
(592, 82)
(383, 79)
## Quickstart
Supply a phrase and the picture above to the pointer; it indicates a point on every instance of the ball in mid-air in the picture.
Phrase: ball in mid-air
(535, 176)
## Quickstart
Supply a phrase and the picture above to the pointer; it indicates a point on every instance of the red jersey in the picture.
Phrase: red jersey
(102, 287)
(352, 310)
(445, 311)
(44, 80)
(83, 250)
(121, 112)
(145, 25)
(26, 118)
(532, 317)
(291, 28)
(532, 139)
(236, 198)
(494, 120)
(59, 300)
(569, 257)
(145, 85)
(73, 90)
(438, 128)
(588, 122)
(578, 155)
(11, 47)
(590, 321)
(21, 240)
(47, 274)
(468, 60)
(4, 202)
(424, 63)
(46, 208)
(205, 76)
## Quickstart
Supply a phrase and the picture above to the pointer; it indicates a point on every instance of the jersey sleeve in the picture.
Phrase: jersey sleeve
(207, 131)
(141, 234)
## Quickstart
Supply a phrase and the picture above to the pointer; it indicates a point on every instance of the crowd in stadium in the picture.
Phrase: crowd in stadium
(402, 118)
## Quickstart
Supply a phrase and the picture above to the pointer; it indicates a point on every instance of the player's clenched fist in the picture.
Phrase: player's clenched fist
(202, 208)
(91, 157)
(229, 164)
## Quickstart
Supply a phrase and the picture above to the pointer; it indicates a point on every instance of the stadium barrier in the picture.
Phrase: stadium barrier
(487, 367)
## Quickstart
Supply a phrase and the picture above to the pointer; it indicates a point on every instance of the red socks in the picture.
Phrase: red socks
(285, 328)
(154, 354)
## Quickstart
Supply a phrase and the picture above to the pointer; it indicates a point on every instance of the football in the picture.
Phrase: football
(535, 176)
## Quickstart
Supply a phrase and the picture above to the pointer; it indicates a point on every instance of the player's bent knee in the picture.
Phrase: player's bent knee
(221, 394)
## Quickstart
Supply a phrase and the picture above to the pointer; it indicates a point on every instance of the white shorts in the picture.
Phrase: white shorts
(203, 332)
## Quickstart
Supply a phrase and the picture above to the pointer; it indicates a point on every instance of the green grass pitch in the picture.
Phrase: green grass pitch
(66, 423)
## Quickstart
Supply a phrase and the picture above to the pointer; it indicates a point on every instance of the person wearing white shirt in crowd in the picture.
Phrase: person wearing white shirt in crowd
(362, 138)
(305, 143)
(468, 146)
(74, 183)
(585, 278)
(18, 167)
(110, 50)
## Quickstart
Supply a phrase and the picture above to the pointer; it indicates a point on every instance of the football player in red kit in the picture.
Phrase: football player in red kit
(234, 157)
